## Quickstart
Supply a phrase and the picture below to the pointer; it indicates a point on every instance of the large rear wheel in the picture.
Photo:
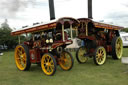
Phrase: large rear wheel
(66, 60)
(22, 57)
(117, 48)
(81, 55)
(48, 64)
(100, 55)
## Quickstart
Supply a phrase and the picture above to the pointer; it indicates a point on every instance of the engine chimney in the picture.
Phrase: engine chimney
(51, 9)
(90, 9)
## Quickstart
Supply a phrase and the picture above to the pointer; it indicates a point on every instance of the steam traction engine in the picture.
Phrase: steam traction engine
(100, 40)
(46, 46)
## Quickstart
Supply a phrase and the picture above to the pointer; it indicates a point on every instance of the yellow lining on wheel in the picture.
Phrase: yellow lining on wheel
(119, 47)
(100, 55)
(65, 61)
(47, 64)
(81, 56)
(20, 57)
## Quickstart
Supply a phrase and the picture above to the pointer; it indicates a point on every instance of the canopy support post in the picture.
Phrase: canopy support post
(63, 32)
(71, 31)
(19, 39)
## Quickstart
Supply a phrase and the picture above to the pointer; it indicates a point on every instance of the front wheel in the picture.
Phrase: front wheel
(100, 55)
(22, 57)
(117, 48)
(66, 60)
(48, 64)
(81, 55)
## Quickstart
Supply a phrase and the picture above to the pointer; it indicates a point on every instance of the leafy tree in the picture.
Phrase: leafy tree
(5, 25)
(125, 30)
(5, 36)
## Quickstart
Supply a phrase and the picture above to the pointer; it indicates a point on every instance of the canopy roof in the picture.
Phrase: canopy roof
(100, 25)
(46, 26)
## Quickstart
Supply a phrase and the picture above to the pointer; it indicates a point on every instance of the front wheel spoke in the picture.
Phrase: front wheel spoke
(18, 54)
(18, 58)
(48, 59)
(100, 51)
(102, 59)
(51, 68)
(44, 62)
(97, 56)
(102, 54)
(24, 54)
(65, 56)
(51, 61)
(68, 61)
(52, 65)
(99, 60)
(81, 54)
(22, 63)
(19, 51)
(65, 61)
(81, 57)
(62, 61)
(47, 68)
(118, 53)
(24, 59)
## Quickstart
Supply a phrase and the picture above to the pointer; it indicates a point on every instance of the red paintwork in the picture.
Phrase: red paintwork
(35, 55)
(107, 26)
(86, 37)
(91, 51)
(109, 48)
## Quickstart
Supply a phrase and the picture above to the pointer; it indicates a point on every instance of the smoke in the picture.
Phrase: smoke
(9, 8)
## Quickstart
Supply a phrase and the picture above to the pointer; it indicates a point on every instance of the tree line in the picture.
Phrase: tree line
(6, 40)
(125, 30)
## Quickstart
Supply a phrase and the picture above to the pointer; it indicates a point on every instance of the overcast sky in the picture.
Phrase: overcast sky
(25, 12)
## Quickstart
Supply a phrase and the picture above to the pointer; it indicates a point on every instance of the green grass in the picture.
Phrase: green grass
(125, 52)
(113, 72)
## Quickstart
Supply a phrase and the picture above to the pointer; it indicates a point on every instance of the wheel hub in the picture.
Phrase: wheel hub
(48, 64)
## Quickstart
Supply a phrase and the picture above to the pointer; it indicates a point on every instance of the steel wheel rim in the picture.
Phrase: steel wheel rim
(119, 48)
(81, 55)
(47, 64)
(65, 61)
(20, 58)
(100, 56)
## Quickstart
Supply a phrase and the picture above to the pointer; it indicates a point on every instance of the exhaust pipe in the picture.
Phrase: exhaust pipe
(51, 9)
(90, 9)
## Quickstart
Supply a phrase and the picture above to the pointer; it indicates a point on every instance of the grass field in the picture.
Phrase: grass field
(113, 72)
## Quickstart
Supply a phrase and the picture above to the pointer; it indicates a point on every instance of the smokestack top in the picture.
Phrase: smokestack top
(90, 9)
(51, 9)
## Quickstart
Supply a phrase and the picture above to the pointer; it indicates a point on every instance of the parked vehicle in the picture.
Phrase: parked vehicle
(46, 45)
(100, 40)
